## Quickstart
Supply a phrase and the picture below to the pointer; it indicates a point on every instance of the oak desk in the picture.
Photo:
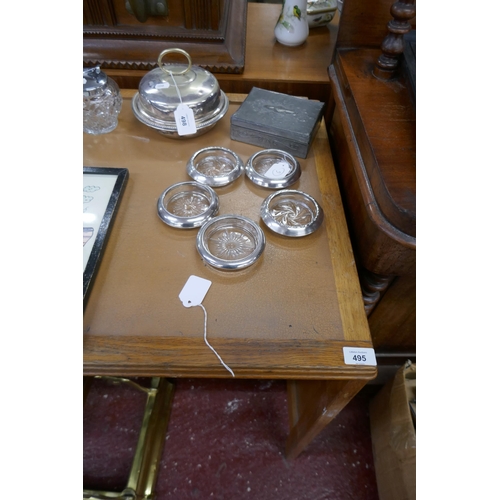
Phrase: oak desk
(286, 317)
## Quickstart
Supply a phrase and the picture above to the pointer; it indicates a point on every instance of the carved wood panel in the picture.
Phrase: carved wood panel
(212, 31)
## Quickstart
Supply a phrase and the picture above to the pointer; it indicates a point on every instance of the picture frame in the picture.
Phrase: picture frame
(212, 32)
(103, 188)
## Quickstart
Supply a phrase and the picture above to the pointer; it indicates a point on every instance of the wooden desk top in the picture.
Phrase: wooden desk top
(287, 316)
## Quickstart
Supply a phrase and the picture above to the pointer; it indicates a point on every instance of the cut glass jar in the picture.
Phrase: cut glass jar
(102, 102)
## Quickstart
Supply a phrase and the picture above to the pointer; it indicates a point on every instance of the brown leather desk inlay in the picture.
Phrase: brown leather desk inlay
(287, 316)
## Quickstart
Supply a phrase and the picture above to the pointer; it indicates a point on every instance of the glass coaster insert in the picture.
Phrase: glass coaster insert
(273, 168)
(215, 166)
(187, 205)
(230, 242)
(291, 213)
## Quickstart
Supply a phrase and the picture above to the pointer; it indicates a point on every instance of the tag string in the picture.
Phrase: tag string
(206, 342)
(176, 88)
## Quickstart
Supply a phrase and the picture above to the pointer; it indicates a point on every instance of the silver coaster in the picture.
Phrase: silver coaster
(215, 166)
(273, 169)
(291, 213)
(187, 205)
(230, 242)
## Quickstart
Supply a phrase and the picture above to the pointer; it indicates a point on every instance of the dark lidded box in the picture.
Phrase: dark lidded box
(274, 120)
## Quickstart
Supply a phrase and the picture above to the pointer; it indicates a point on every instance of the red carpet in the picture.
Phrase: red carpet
(226, 441)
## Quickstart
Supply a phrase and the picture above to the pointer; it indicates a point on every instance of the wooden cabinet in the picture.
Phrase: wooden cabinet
(373, 139)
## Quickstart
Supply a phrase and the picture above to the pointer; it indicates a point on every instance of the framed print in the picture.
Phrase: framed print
(102, 191)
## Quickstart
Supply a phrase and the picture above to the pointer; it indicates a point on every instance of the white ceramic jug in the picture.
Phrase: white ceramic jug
(292, 27)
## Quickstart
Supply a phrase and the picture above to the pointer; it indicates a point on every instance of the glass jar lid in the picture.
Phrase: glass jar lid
(95, 81)
(164, 88)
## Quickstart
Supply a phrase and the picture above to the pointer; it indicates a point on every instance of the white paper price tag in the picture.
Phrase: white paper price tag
(194, 291)
(359, 356)
(278, 170)
(184, 119)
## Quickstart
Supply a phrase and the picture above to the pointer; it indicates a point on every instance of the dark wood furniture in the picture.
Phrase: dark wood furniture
(288, 316)
(373, 138)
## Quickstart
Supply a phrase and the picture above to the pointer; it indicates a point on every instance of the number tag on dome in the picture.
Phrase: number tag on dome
(184, 119)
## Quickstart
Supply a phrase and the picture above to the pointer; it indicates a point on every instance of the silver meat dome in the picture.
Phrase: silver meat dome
(164, 89)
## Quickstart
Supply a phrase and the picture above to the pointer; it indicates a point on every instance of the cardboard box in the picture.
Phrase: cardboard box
(393, 432)
(273, 120)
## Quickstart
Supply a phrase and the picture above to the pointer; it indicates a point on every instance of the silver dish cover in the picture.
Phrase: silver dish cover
(291, 213)
(187, 205)
(230, 242)
(171, 130)
(164, 88)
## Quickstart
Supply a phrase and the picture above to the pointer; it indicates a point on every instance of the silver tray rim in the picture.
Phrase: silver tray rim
(170, 130)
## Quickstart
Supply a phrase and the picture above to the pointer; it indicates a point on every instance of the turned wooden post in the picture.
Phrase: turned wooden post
(392, 47)
(373, 286)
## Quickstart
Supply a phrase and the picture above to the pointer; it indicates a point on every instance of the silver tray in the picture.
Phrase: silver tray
(170, 130)
(273, 169)
(230, 242)
(291, 213)
(187, 205)
(215, 166)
